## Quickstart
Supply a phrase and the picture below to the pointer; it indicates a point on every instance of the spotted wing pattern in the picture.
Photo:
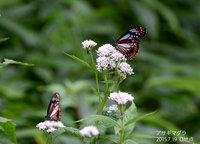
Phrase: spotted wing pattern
(54, 111)
(128, 43)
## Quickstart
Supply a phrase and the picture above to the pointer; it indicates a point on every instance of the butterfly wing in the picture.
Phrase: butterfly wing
(128, 43)
(128, 47)
(54, 111)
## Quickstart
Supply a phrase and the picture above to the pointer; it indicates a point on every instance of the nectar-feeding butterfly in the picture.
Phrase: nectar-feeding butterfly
(128, 43)
(54, 111)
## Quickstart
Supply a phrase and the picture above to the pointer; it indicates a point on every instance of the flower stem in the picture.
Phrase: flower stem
(96, 76)
(122, 125)
(118, 84)
(94, 141)
(106, 94)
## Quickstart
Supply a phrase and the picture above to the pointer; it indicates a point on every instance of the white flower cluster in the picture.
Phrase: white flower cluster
(121, 97)
(88, 43)
(103, 63)
(105, 50)
(113, 108)
(124, 69)
(109, 58)
(50, 126)
(89, 131)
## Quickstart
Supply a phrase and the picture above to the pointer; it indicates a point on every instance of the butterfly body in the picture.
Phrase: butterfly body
(54, 111)
(128, 43)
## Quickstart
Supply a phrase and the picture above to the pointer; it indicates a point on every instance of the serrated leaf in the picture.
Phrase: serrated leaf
(106, 121)
(9, 61)
(138, 118)
(72, 131)
(79, 60)
(8, 127)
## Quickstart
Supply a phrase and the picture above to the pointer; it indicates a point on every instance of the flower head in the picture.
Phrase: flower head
(105, 50)
(113, 108)
(89, 131)
(50, 126)
(120, 97)
(124, 69)
(102, 63)
(88, 43)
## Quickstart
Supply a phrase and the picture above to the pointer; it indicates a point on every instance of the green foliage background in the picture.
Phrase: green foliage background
(167, 67)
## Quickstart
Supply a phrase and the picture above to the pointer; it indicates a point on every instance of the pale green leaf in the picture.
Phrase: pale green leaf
(8, 127)
(72, 131)
(3, 39)
(106, 121)
(137, 118)
(79, 60)
(9, 61)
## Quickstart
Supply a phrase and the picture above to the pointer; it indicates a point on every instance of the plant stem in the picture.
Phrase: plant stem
(118, 84)
(94, 141)
(122, 126)
(105, 94)
(96, 76)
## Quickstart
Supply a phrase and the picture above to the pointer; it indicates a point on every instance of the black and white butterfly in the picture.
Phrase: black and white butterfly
(128, 43)
(54, 111)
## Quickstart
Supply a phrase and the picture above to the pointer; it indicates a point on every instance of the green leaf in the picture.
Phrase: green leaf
(138, 118)
(140, 136)
(9, 61)
(57, 132)
(72, 131)
(8, 127)
(113, 138)
(106, 121)
(52, 136)
(130, 113)
(3, 39)
(79, 60)
(129, 142)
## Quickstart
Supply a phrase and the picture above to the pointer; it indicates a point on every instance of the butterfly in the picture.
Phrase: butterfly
(54, 111)
(128, 43)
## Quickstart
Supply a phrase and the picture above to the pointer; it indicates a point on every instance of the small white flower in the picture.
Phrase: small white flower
(50, 126)
(89, 131)
(51, 129)
(124, 69)
(117, 56)
(102, 63)
(105, 50)
(121, 97)
(88, 43)
(112, 64)
(113, 108)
